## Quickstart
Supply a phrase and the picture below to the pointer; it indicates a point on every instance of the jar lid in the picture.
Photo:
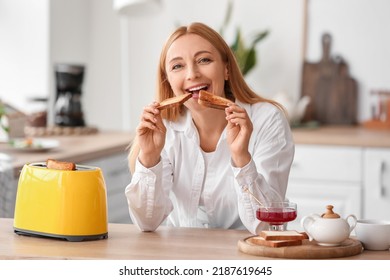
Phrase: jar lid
(329, 214)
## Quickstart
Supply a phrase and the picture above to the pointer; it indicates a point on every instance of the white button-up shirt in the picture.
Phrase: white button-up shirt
(171, 190)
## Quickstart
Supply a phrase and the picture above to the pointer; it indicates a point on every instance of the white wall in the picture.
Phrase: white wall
(102, 103)
(69, 39)
(360, 32)
(147, 34)
(88, 31)
(24, 45)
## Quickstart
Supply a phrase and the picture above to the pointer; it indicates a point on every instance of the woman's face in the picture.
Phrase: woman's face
(193, 64)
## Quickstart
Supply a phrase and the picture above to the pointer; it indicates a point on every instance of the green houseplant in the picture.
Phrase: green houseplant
(3, 120)
(245, 54)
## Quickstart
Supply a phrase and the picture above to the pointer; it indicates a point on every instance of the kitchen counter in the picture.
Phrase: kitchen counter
(342, 136)
(125, 241)
(79, 148)
(75, 148)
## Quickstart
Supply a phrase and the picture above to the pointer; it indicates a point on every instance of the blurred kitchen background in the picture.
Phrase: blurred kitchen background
(35, 35)
(341, 48)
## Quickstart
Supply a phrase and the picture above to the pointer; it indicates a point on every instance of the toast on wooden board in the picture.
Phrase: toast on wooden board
(283, 235)
(258, 240)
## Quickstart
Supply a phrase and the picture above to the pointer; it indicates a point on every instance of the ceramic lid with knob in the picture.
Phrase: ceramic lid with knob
(329, 214)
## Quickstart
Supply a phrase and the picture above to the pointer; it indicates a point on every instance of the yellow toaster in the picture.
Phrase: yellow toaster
(65, 204)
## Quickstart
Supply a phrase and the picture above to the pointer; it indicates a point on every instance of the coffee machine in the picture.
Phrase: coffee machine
(68, 108)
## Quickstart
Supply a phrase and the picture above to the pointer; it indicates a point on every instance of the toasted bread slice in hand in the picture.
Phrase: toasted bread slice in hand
(283, 235)
(174, 101)
(60, 165)
(213, 101)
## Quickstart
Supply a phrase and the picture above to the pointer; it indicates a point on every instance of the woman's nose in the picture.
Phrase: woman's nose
(192, 72)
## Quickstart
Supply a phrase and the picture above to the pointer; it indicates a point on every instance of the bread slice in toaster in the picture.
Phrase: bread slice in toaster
(60, 165)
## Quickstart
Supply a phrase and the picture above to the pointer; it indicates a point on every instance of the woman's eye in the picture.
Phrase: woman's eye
(204, 60)
(176, 67)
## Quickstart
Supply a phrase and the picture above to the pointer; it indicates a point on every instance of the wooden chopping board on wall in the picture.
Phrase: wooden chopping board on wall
(333, 92)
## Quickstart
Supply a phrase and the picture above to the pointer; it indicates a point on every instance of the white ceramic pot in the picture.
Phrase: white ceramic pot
(328, 229)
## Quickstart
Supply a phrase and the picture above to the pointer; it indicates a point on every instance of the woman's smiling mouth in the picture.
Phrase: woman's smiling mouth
(195, 90)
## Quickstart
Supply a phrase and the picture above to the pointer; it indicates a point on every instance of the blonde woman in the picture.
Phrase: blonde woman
(190, 165)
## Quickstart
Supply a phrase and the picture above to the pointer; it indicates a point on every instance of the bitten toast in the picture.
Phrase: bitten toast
(213, 101)
(174, 101)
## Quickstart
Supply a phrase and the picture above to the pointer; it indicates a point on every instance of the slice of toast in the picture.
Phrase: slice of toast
(174, 101)
(258, 240)
(213, 101)
(60, 165)
(283, 235)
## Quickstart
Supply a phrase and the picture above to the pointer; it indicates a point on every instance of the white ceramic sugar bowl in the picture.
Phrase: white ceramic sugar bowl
(328, 229)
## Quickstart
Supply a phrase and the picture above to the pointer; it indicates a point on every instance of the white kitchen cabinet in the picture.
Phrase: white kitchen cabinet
(326, 175)
(116, 176)
(376, 183)
(8, 186)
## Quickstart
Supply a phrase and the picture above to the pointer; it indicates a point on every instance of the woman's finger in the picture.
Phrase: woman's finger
(150, 112)
(146, 125)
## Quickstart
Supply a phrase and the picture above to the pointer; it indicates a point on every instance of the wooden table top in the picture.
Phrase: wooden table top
(125, 241)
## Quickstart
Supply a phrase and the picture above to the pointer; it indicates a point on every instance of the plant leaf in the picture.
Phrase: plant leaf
(227, 18)
(237, 40)
(245, 56)
(239, 49)
(260, 36)
(250, 61)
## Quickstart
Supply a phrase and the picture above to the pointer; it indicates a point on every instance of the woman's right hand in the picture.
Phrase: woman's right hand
(151, 133)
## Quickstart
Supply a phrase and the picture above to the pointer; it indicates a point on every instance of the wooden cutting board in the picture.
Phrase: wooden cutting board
(332, 90)
(308, 250)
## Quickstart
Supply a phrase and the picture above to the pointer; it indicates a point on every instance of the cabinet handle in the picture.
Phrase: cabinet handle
(381, 185)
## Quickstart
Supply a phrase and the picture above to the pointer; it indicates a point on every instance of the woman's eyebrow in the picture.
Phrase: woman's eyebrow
(175, 59)
(196, 54)
(202, 52)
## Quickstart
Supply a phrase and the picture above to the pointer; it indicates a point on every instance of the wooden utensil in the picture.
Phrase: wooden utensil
(332, 90)
(174, 101)
(258, 201)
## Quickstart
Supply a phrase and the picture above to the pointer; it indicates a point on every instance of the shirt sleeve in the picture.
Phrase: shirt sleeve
(148, 200)
(266, 175)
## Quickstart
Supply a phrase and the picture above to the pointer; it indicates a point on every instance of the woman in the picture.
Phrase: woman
(191, 165)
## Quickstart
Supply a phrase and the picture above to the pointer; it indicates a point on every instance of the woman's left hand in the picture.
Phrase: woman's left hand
(239, 131)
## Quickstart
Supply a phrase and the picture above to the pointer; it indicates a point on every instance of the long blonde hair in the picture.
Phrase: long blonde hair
(235, 87)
